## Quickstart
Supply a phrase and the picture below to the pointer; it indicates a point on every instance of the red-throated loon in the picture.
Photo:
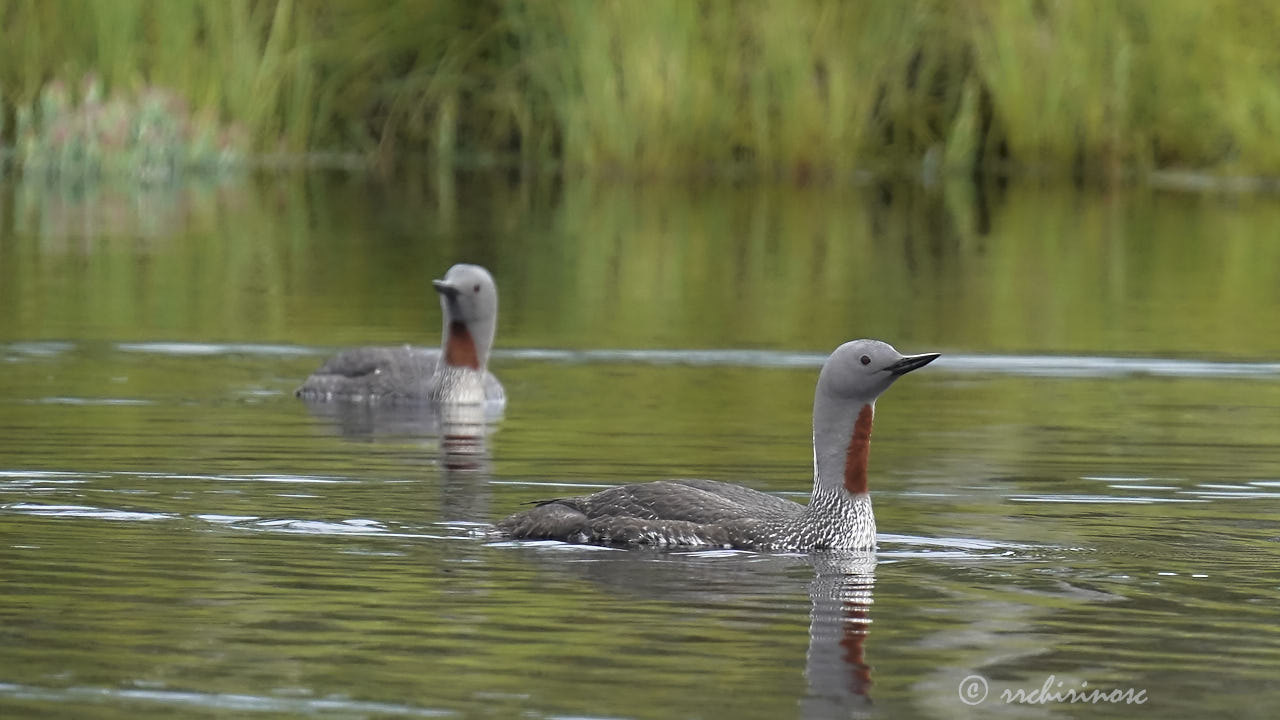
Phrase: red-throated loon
(455, 374)
(708, 512)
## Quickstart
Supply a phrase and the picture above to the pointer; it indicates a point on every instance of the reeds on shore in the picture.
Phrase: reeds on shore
(805, 90)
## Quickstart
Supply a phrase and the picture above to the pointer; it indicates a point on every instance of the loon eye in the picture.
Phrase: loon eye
(475, 288)
(865, 360)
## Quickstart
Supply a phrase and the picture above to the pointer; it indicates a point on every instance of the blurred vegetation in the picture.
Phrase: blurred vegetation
(150, 139)
(763, 88)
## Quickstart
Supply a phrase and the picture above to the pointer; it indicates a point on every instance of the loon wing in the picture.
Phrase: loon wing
(370, 372)
(755, 503)
(691, 512)
(698, 501)
(361, 361)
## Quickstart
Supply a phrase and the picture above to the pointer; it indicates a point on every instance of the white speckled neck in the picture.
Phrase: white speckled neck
(457, 385)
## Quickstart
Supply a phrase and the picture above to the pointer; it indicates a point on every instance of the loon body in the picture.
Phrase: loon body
(712, 513)
(455, 374)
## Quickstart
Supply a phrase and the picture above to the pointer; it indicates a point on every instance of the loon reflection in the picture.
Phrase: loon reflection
(838, 677)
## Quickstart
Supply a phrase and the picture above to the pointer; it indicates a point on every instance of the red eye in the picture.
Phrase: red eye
(475, 288)
(864, 360)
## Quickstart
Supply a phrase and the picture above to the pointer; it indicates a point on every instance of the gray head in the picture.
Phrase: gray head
(469, 300)
(860, 370)
(843, 407)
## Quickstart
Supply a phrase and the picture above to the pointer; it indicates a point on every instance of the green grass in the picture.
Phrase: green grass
(804, 91)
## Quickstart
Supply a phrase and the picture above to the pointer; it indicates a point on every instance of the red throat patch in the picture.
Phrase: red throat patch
(855, 459)
(460, 350)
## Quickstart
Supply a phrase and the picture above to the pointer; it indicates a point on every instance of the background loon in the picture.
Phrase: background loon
(457, 373)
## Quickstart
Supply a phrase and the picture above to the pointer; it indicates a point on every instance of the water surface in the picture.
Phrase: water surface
(1084, 488)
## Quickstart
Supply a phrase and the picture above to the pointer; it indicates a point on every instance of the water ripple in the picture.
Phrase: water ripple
(85, 511)
(1037, 365)
(64, 476)
(1100, 499)
(1099, 366)
(219, 701)
(742, 358)
(189, 348)
(37, 348)
(265, 478)
(355, 527)
(91, 401)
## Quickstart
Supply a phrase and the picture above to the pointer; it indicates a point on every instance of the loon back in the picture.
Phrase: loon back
(392, 374)
(698, 513)
(667, 512)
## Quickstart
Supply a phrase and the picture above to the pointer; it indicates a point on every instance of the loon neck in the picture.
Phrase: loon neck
(841, 447)
(460, 348)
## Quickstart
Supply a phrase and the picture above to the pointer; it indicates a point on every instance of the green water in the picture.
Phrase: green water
(1086, 486)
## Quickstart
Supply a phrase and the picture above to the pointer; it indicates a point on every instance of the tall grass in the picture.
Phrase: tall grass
(805, 90)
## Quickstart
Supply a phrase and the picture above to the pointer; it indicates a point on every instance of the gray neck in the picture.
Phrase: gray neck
(835, 518)
(482, 331)
(833, 421)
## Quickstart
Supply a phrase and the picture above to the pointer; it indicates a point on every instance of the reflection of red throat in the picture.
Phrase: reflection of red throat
(856, 624)
(855, 461)
(460, 350)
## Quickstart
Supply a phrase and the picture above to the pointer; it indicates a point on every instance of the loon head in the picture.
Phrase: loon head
(860, 370)
(469, 302)
(844, 408)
